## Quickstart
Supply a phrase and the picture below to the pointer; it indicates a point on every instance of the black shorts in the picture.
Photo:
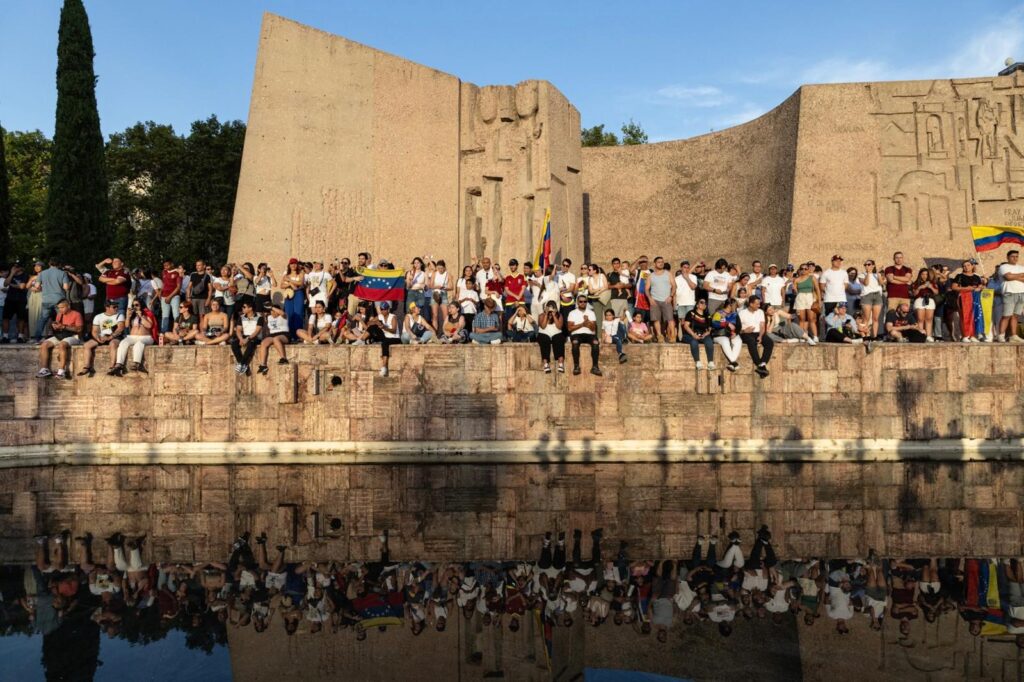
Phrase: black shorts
(16, 309)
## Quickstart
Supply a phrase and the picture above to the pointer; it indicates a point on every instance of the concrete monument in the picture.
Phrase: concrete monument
(349, 149)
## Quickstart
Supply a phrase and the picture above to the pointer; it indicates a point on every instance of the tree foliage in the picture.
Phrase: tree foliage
(76, 210)
(173, 196)
(595, 136)
(5, 203)
(28, 173)
(632, 133)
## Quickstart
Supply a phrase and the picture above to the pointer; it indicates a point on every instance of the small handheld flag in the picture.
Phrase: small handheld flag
(990, 237)
(543, 257)
(381, 285)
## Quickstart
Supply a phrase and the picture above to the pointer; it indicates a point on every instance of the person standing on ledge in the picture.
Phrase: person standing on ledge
(1012, 274)
(898, 277)
(582, 325)
(662, 287)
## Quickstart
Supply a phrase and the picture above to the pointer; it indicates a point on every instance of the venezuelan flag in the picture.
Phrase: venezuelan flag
(381, 285)
(543, 257)
(989, 237)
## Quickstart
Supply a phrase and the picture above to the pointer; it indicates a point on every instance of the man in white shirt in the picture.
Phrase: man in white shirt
(773, 287)
(484, 275)
(834, 283)
(247, 338)
(1012, 274)
(566, 284)
(753, 332)
(107, 328)
(582, 325)
(686, 293)
(718, 282)
(277, 336)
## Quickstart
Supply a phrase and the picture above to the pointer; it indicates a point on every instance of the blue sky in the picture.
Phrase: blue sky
(678, 68)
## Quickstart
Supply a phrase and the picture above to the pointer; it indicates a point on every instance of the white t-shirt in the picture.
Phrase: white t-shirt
(482, 278)
(838, 604)
(1010, 286)
(566, 283)
(389, 320)
(223, 295)
(469, 301)
(778, 603)
(753, 319)
(834, 282)
(277, 325)
(684, 294)
(107, 323)
(611, 327)
(773, 288)
(872, 282)
(249, 324)
(719, 283)
(318, 280)
(320, 324)
(577, 316)
(89, 302)
(550, 330)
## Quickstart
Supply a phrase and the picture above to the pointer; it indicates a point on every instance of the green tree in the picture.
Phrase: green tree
(632, 133)
(77, 229)
(597, 137)
(28, 172)
(173, 196)
(5, 204)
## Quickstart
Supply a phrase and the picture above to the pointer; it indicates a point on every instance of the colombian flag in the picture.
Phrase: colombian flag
(381, 285)
(543, 257)
(989, 237)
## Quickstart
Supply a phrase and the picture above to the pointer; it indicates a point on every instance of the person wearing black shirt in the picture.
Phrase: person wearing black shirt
(697, 332)
(966, 287)
(198, 291)
(901, 327)
(16, 307)
(620, 292)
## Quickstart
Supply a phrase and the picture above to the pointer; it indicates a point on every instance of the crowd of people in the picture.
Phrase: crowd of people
(254, 309)
(716, 585)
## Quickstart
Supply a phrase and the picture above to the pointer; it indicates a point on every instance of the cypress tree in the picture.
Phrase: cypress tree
(5, 205)
(77, 230)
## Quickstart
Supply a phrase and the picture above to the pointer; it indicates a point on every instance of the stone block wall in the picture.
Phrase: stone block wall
(440, 394)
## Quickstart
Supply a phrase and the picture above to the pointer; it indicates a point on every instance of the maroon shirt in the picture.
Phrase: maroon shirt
(898, 290)
(171, 283)
(117, 290)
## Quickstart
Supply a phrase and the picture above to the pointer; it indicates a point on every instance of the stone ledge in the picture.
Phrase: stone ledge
(516, 452)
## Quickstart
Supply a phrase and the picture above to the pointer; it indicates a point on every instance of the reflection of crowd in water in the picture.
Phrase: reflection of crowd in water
(718, 584)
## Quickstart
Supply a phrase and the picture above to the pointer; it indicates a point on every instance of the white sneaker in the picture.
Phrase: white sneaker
(700, 365)
(711, 366)
(793, 341)
(966, 339)
(1014, 339)
(383, 371)
(929, 340)
(813, 341)
(60, 374)
(999, 338)
(496, 342)
(43, 373)
(858, 340)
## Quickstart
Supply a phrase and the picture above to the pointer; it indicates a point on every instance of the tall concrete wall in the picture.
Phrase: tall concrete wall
(351, 149)
(728, 193)
(862, 169)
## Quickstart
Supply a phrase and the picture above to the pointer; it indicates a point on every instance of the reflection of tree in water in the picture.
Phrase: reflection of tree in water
(72, 651)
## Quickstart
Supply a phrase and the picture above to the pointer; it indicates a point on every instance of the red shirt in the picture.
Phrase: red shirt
(117, 290)
(72, 318)
(496, 286)
(514, 286)
(898, 290)
(171, 283)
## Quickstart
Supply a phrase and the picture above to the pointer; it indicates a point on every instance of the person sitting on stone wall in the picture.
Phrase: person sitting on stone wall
(107, 328)
(141, 327)
(840, 327)
(581, 324)
(246, 338)
(215, 327)
(415, 328)
(66, 326)
(277, 336)
(901, 327)
(185, 329)
(753, 332)
(319, 327)
(453, 327)
(487, 325)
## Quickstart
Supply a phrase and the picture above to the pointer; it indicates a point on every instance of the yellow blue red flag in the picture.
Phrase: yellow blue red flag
(989, 237)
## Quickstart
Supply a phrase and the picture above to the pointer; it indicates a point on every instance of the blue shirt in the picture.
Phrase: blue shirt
(484, 320)
(834, 321)
(52, 281)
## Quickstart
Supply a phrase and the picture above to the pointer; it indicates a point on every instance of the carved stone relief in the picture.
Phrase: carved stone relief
(946, 150)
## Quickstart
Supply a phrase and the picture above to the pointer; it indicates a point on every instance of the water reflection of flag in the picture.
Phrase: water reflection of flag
(381, 285)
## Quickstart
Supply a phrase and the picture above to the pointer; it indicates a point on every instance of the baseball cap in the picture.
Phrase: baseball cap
(293, 261)
(837, 257)
(773, 265)
(385, 306)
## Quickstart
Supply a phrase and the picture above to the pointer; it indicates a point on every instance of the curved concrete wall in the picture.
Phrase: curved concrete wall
(725, 193)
